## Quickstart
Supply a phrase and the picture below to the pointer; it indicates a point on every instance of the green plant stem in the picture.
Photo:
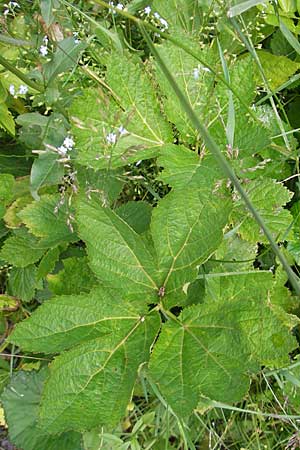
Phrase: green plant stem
(20, 75)
(215, 404)
(6, 39)
(222, 161)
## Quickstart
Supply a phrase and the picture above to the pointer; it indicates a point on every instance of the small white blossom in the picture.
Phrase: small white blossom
(147, 10)
(75, 35)
(43, 50)
(122, 130)
(13, 5)
(12, 89)
(196, 73)
(62, 150)
(120, 6)
(45, 40)
(23, 89)
(156, 15)
(112, 4)
(111, 138)
(68, 143)
(164, 23)
(6, 11)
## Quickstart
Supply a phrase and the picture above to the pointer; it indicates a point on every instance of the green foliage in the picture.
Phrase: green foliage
(21, 401)
(136, 289)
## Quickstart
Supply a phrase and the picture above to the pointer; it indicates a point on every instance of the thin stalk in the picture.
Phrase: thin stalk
(222, 161)
(20, 75)
(255, 413)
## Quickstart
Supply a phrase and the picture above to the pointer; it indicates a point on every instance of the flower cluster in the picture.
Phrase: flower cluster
(163, 23)
(196, 71)
(10, 7)
(112, 137)
(23, 89)
(75, 35)
(44, 47)
(66, 146)
(119, 6)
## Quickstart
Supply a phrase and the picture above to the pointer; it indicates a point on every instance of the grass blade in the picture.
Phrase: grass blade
(243, 7)
(230, 127)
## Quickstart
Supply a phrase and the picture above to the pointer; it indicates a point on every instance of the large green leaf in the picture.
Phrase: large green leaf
(22, 282)
(277, 69)
(22, 249)
(50, 220)
(113, 339)
(21, 401)
(117, 254)
(112, 133)
(269, 198)
(194, 80)
(7, 183)
(186, 230)
(184, 168)
(210, 348)
(45, 170)
(269, 343)
(64, 58)
(76, 277)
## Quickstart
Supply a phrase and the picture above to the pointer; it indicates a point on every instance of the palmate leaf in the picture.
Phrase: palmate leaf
(185, 232)
(211, 347)
(134, 119)
(107, 340)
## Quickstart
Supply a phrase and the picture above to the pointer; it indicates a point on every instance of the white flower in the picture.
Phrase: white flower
(62, 150)
(147, 10)
(156, 15)
(75, 35)
(45, 40)
(111, 138)
(120, 6)
(68, 143)
(164, 23)
(43, 50)
(23, 89)
(112, 4)
(196, 73)
(13, 5)
(6, 11)
(12, 89)
(122, 130)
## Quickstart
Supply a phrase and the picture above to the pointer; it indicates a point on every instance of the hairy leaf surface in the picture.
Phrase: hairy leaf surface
(211, 347)
(117, 254)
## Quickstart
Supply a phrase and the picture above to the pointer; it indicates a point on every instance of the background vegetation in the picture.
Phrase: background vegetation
(94, 135)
